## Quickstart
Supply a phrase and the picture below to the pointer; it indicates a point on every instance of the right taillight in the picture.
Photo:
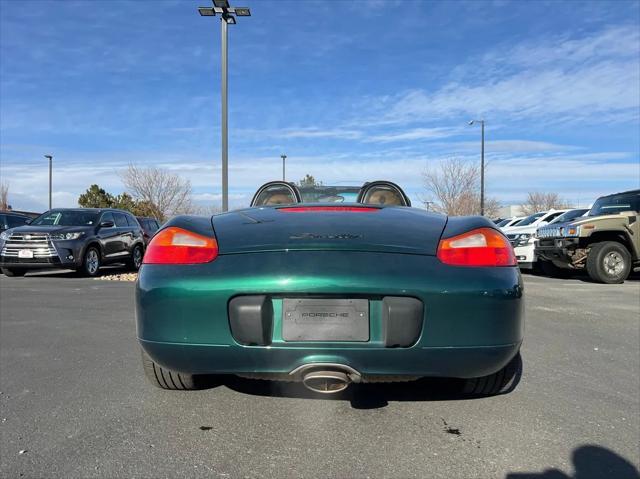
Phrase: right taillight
(479, 247)
(179, 246)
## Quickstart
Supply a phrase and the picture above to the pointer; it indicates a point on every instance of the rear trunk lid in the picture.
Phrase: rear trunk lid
(388, 230)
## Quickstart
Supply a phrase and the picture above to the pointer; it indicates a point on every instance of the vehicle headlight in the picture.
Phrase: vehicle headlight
(66, 236)
(571, 231)
(5, 235)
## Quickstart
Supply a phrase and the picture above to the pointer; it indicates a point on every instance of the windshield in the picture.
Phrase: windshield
(531, 219)
(503, 222)
(611, 205)
(66, 218)
(329, 194)
(570, 215)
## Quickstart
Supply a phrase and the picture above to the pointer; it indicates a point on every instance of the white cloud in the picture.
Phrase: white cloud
(594, 79)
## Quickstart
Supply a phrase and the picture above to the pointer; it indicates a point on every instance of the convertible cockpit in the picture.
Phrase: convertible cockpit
(384, 193)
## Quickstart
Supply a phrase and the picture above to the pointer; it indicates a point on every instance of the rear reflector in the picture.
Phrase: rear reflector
(480, 247)
(339, 209)
(179, 246)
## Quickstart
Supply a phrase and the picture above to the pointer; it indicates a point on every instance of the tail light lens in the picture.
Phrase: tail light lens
(479, 247)
(179, 246)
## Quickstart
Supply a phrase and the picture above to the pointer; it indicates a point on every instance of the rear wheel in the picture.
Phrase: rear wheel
(165, 379)
(608, 262)
(549, 269)
(91, 261)
(11, 272)
(136, 258)
(501, 382)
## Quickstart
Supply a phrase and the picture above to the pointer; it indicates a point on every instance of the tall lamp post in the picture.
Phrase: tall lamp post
(50, 158)
(284, 157)
(481, 166)
(226, 12)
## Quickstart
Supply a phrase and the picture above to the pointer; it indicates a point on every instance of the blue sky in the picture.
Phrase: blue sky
(350, 91)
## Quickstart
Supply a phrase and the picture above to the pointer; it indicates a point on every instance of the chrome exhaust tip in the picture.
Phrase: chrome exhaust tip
(326, 382)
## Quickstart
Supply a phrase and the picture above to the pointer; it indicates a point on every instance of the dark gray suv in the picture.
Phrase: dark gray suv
(82, 239)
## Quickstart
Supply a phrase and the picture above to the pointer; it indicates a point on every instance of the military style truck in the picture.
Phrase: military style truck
(605, 242)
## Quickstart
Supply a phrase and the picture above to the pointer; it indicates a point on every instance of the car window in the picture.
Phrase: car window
(611, 205)
(14, 221)
(121, 220)
(132, 221)
(552, 216)
(530, 219)
(66, 218)
(108, 216)
(153, 226)
(3, 223)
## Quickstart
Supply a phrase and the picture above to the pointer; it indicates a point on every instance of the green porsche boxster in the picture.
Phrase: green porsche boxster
(329, 286)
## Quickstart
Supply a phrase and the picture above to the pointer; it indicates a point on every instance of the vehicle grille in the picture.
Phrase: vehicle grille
(39, 243)
(548, 232)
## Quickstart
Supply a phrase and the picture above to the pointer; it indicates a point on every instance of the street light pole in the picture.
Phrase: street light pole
(227, 16)
(481, 165)
(50, 158)
(225, 115)
(284, 157)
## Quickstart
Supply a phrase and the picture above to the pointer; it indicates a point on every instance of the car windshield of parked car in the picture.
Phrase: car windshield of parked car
(66, 218)
(329, 194)
(503, 222)
(612, 205)
(570, 215)
(531, 219)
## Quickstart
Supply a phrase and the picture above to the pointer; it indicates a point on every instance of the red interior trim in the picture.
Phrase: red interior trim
(339, 209)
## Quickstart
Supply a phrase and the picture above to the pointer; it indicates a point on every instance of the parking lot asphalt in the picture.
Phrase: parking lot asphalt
(74, 401)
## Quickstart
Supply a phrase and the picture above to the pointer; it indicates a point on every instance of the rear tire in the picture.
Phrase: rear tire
(135, 261)
(608, 262)
(165, 379)
(11, 272)
(91, 262)
(502, 382)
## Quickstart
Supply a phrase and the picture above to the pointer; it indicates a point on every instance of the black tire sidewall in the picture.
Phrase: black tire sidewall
(85, 271)
(595, 262)
(132, 262)
(12, 272)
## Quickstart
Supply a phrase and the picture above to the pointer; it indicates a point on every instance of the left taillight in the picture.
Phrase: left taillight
(179, 246)
(479, 247)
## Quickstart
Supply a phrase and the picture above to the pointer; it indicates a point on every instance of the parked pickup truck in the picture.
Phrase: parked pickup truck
(605, 242)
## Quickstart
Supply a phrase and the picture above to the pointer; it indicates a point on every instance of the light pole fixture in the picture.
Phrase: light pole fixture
(481, 165)
(284, 157)
(50, 158)
(227, 16)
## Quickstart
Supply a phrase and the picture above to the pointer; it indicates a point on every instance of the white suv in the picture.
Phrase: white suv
(522, 237)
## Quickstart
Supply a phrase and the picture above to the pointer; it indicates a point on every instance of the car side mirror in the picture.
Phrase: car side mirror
(543, 223)
(107, 224)
(28, 222)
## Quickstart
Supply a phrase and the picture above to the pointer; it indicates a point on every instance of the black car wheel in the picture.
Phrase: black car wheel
(549, 269)
(11, 272)
(165, 379)
(608, 262)
(91, 262)
(503, 381)
(136, 258)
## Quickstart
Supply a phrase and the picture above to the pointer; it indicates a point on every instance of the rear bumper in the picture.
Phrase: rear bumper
(472, 322)
(456, 362)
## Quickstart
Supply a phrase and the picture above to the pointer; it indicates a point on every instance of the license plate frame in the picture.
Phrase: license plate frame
(325, 319)
(25, 254)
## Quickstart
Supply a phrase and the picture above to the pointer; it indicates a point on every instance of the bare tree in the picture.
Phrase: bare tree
(165, 194)
(454, 187)
(4, 196)
(539, 201)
